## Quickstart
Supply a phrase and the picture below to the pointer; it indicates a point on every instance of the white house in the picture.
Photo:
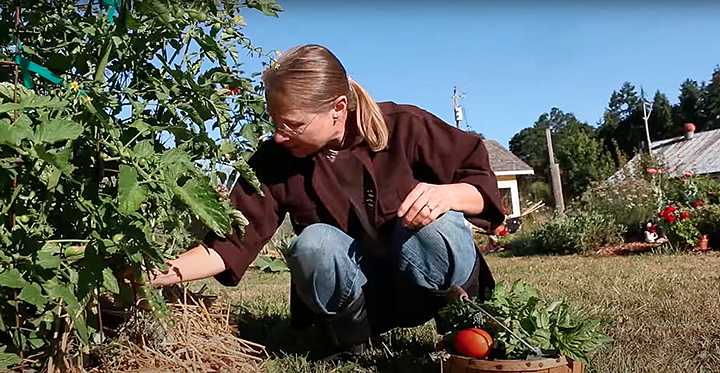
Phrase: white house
(507, 166)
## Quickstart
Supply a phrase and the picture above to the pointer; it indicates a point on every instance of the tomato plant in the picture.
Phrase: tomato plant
(112, 164)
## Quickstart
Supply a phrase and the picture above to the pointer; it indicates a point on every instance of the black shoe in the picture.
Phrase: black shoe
(349, 355)
(345, 334)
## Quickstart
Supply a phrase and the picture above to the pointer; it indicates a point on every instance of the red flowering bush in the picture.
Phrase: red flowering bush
(679, 227)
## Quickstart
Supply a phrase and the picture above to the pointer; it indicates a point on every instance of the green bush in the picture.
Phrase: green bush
(577, 232)
(539, 191)
(629, 202)
(708, 222)
(694, 188)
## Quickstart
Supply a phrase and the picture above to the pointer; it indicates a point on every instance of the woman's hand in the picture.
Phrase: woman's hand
(428, 201)
(424, 204)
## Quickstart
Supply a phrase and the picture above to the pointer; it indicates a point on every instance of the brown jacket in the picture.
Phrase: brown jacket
(421, 148)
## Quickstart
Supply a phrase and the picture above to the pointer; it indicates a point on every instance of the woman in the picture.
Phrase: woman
(377, 194)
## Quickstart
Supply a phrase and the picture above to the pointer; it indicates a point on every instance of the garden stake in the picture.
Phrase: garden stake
(459, 293)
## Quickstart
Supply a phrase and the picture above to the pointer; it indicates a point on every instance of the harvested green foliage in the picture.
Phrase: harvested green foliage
(555, 328)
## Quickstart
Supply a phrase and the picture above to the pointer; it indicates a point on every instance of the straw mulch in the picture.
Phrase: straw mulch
(202, 339)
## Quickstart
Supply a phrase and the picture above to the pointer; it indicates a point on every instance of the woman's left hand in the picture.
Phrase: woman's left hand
(424, 204)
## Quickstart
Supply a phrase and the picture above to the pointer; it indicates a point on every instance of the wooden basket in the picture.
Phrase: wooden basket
(461, 364)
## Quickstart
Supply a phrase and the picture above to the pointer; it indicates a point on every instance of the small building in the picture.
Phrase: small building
(698, 154)
(507, 166)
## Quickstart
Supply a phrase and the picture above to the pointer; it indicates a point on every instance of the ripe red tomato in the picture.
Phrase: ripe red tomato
(473, 342)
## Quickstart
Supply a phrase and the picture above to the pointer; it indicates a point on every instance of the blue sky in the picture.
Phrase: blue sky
(514, 62)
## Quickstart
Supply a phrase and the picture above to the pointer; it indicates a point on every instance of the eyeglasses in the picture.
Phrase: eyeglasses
(287, 130)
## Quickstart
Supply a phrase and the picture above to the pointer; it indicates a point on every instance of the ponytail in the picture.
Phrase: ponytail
(371, 123)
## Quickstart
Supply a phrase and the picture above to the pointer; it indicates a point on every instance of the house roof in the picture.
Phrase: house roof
(504, 162)
(699, 154)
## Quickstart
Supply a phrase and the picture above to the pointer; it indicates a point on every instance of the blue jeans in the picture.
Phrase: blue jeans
(329, 269)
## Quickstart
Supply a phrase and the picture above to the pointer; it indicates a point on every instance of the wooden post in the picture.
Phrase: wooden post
(555, 175)
(646, 117)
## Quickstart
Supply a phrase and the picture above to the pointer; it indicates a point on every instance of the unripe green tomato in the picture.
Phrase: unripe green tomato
(217, 26)
(201, 16)
(23, 218)
(142, 163)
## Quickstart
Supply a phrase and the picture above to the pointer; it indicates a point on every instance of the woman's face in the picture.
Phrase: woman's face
(305, 132)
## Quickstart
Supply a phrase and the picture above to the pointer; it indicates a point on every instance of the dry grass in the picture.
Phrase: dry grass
(198, 337)
(665, 311)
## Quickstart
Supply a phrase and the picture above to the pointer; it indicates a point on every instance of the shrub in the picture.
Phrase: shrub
(688, 189)
(577, 232)
(629, 202)
(540, 191)
(708, 222)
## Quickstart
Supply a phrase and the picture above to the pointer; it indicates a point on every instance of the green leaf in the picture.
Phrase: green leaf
(100, 70)
(72, 306)
(227, 147)
(12, 278)
(144, 149)
(249, 175)
(278, 265)
(205, 203)
(175, 162)
(47, 259)
(54, 179)
(262, 262)
(33, 295)
(159, 9)
(13, 134)
(109, 281)
(130, 194)
(36, 342)
(59, 159)
(61, 129)
(543, 319)
(238, 219)
(268, 7)
(33, 102)
(8, 360)
(140, 125)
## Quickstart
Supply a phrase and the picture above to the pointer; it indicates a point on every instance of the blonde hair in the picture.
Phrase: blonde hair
(310, 77)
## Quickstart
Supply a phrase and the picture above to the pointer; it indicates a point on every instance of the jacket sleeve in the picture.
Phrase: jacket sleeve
(238, 250)
(456, 156)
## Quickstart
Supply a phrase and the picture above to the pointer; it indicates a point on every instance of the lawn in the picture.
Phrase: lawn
(665, 311)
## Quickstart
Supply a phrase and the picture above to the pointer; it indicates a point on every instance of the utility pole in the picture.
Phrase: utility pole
(646, 117)
(555, 175)
(458, 109)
